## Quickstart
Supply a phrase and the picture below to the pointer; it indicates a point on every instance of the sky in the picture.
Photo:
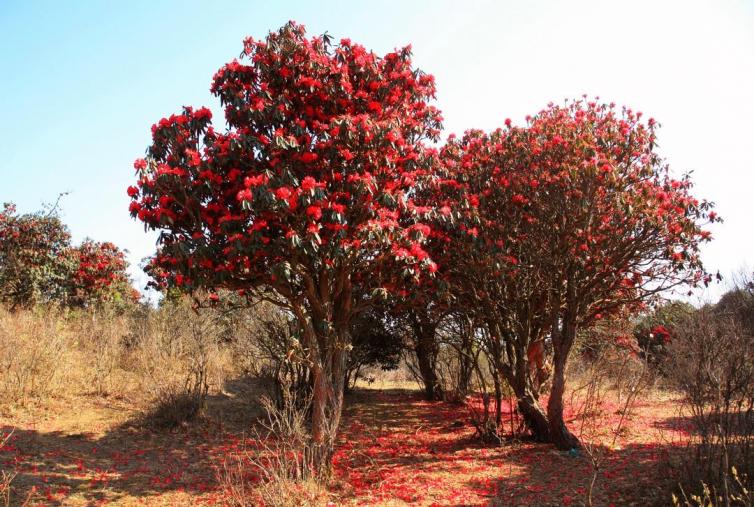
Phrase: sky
(81, 83)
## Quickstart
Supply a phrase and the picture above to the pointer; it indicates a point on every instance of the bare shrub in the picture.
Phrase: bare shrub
(712, 359)
(100, 332)
(6, 480)
(33, 355)
(615, 367)
(280, 470)
(738, 494)
(5, 477)
(177, 358)
(265, 345)
(486, 415)
(458, 352)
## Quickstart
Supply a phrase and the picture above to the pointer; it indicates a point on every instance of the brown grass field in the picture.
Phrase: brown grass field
(395, 449)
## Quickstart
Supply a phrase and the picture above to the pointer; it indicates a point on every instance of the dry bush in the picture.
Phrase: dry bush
(176, 357)
(493, 392)
(712, 359)
(738, 494)
(614, 368)
(34, 355)
(279, 471)
(6, 480)
(458, 353)
(264, 345)
(100, 336)
(611, 351)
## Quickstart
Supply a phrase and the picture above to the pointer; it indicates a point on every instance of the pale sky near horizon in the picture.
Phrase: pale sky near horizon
(83, 81)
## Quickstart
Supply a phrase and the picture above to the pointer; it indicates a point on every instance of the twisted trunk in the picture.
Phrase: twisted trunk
(562, 339)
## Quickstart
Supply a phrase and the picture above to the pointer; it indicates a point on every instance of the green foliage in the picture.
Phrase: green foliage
(376, 340)
(34, 260)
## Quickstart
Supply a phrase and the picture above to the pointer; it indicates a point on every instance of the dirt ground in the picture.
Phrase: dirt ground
(394, 449)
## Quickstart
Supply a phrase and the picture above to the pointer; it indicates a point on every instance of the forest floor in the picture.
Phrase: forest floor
(394, 449)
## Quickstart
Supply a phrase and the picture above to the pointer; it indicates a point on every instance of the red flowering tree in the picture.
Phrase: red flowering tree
(34, 261)
(99, 275)
(306, 196)
(426, 306)
(569, 219)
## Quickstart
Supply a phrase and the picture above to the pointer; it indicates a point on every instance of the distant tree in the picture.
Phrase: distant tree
(377, 341)
(739, 302)
(99, 275)
(34, 258)
(306, 195)
(655, 330)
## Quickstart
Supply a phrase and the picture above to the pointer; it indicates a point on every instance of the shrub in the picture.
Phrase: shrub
(34, 260)
(177, 357)
(712, 363)
(280, 470)
(33, 355)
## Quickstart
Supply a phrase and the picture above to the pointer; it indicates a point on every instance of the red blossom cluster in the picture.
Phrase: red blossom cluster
(317, 165)
(99, 274)
(662, 334)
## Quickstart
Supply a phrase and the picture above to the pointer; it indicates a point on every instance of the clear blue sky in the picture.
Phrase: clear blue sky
(83, 81)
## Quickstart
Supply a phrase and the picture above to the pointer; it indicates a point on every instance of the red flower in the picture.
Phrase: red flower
(283, 193)
(308, 184)
(132, 191)
(518, 199)
(309, 157)
(314, 212)
(338, 208)
(374, 107)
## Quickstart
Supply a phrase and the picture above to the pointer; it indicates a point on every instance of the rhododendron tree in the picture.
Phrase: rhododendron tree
(34, 262)
(305, 197)
(428, 305)
(567, 220)
(99, 275)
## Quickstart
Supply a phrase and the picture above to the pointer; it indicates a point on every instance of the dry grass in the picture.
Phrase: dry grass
(76, 441)
(34, 354)
(158, 358)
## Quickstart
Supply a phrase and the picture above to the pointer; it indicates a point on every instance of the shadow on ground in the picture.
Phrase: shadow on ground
(129, 460)
(394, 448)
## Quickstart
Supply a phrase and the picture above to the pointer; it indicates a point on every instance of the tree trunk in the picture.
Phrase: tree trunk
(559, 433)
(327, 405)
(534, 417)
(562, 341)
(498, 401)
(425, 357)
(528, 404)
